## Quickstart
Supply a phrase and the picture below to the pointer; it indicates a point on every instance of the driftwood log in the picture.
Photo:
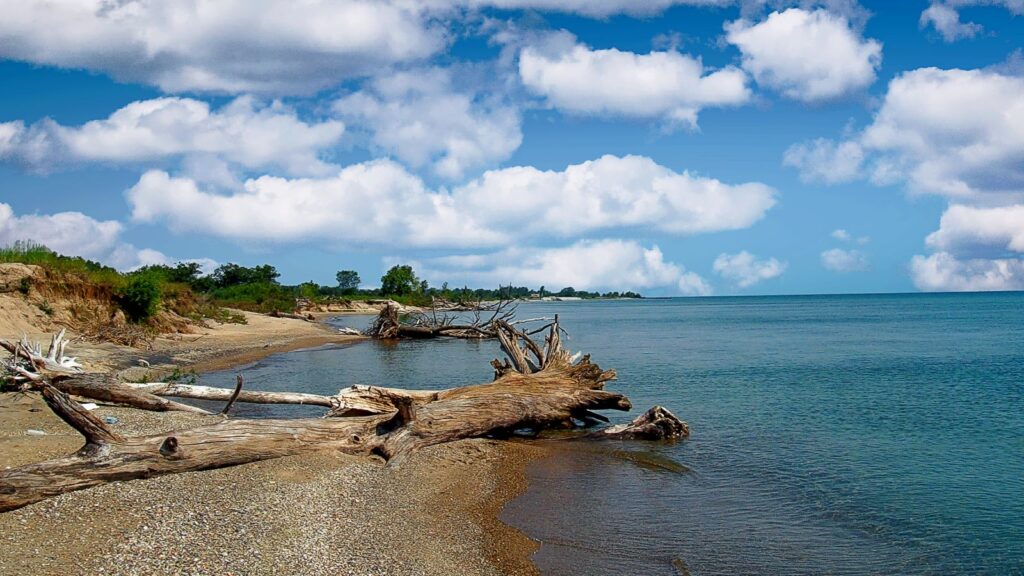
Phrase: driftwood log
(472, 321)
(535, 388)
(30, 367)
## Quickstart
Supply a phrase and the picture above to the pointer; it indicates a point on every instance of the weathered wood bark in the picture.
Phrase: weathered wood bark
(400, 423)
(107, 457)
(103, 388)
(655, 424)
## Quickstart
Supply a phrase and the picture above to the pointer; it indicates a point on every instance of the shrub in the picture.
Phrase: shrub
(139, 298)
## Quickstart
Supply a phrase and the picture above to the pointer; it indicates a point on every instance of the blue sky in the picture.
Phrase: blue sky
(675, 147)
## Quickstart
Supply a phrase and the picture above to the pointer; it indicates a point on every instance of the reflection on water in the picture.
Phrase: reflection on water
(830, 435)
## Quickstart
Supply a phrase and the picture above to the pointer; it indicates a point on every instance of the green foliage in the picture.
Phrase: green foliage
(45, 307)
(140, 297)
(309, 290)
(231, 274)
(188, 273)
(399, 281)
(28, 252)
(348, 281)
(256, 297)
(24, 286)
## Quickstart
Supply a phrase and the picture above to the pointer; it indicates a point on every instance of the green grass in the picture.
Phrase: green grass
(24, 252)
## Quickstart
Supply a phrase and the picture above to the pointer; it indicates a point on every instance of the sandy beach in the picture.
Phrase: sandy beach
(320, 513)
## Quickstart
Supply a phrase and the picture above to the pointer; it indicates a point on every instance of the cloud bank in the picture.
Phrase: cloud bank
(243, 132)
(585, 265)
(380, 203)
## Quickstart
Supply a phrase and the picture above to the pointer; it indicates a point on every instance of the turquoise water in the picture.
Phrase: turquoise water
(830, 434)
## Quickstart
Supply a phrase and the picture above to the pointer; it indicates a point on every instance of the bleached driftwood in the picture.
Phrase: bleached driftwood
(547, 390)
(29, 357)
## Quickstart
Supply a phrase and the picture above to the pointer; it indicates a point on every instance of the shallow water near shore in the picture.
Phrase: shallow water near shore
(830, 434)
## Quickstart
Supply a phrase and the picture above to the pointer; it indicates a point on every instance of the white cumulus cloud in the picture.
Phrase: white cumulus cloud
(376, 202)
(746, 270)
(944, 272)
(806, 55)
(612, 192)
(242, 132)
(585, 265)
(956, 133)
(971, 229)
(421, 118)
(379, 202)
(670, 85)
(221, 45)
(841, 260)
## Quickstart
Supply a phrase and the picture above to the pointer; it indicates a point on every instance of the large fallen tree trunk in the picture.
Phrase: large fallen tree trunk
(548, 390)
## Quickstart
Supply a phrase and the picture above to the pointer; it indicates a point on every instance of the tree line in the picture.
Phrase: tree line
(235, 284)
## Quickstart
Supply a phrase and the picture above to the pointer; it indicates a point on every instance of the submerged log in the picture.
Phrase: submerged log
(397, 423)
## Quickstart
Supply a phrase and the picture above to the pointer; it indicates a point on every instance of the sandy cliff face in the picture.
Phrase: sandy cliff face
(34, 300)
(21, 311)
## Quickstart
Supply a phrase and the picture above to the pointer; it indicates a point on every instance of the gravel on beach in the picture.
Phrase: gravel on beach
(318, 513)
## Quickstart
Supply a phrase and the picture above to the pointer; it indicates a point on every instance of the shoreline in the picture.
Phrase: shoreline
(108, 522)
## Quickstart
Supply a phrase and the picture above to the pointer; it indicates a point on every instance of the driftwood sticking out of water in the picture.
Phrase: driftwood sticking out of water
(552, 396)
(477, 321)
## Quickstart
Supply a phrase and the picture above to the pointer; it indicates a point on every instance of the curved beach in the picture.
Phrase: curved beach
(321, 513)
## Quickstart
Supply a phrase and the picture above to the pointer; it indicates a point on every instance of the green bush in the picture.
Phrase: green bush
(139, 298)
(256, 297)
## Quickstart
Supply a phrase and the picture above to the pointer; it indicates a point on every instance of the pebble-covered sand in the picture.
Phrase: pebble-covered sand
(319, 513)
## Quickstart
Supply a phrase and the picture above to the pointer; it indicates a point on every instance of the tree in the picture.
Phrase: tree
(568, 291)
(231, 274)
(309, 290)
(399, 281)
(348, 281)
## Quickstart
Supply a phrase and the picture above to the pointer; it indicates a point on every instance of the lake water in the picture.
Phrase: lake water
(830, 434)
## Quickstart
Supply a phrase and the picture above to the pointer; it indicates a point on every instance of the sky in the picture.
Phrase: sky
(672, 147)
